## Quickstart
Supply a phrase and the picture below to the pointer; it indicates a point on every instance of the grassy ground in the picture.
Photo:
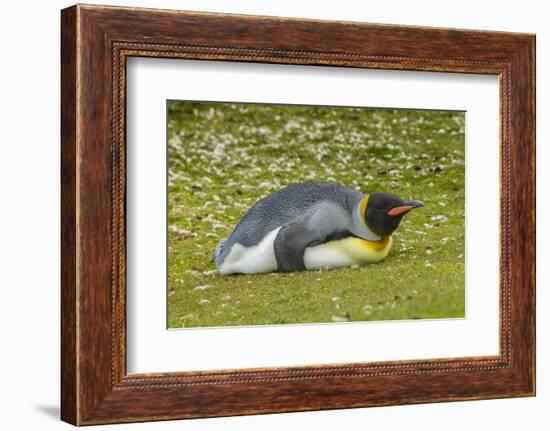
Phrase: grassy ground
(224, 157)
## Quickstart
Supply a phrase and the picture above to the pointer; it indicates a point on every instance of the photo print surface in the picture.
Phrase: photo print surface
(290, 214)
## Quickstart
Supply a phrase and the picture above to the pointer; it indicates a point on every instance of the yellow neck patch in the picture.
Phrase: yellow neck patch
(363, 206)
(374, 245)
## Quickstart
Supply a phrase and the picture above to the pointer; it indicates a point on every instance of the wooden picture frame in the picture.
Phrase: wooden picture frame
(95, 43)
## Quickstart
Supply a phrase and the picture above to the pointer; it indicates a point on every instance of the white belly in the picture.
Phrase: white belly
(260, 258)
(346, 252)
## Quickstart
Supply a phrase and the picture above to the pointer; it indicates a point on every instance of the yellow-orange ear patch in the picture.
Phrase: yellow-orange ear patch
(363, 206)
(400, 210)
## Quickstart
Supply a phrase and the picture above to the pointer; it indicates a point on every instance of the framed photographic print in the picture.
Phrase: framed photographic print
(264, 214)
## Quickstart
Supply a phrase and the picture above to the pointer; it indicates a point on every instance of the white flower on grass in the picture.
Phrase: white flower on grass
(440, 218)
(202, 287)
(179, 230)
(218, 225)
(292, 125)
(266, 185)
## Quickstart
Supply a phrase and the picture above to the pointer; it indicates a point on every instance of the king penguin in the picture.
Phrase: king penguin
(310, 226)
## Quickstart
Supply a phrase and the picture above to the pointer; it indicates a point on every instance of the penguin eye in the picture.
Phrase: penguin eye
(379, 206)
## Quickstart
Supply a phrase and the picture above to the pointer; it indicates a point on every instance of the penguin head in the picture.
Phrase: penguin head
(384, 212)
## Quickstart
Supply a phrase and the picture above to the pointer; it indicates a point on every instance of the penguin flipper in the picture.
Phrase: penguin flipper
(326, 221)
(290, 244)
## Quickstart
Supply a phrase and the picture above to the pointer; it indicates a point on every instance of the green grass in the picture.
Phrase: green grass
(224, 157)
